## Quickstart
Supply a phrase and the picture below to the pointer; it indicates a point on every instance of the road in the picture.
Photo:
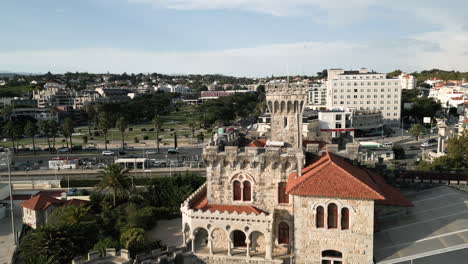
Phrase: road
(21, 161)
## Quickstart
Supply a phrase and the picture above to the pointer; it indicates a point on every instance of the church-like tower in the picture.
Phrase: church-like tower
(286, 104)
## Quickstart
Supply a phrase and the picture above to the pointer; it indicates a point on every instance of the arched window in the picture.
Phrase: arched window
(283, 197)
(247, 191)
(332, 257)
(320, 217)
(283, 233)
(345, 218)
(236, 186)
(332, 219)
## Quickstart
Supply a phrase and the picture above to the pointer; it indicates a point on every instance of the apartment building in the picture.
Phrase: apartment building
(408, 81)
(317, 96)
(364, 90)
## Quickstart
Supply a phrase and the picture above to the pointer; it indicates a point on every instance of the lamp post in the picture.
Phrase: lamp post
(7, 154)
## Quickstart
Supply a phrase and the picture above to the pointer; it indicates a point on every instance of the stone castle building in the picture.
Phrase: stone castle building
(276, 203)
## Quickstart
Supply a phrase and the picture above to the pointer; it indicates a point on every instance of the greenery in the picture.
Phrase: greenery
(417, 130)
(115, 218)
(455, 159)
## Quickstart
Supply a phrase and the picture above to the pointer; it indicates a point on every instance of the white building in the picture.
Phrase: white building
(168, 88)
(408, 81)
(448, 96)
(364, 90)
(336, 121)
(317, 95)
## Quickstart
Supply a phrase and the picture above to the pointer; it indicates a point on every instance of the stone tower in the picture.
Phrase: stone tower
(286, 104)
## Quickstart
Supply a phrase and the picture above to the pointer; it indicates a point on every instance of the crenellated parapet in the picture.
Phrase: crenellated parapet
(260, 159)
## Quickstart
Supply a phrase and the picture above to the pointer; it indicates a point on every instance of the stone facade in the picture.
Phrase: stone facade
(356, 243)
(221, 225)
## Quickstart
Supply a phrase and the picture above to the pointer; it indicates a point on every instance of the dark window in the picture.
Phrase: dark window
(345, 218)
(247, 191)
(332, 216)
(332, 254)
(283, 197)
(285, 122)
(283, 233)
(319, 218)
(237, 191)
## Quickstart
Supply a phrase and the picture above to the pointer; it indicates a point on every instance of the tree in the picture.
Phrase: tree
(175, 139)
(157, 123)
(8, 131)
(201, 137)
(115, 178)
(67, 130)
(53, 131)
(90, 112)
(122, 125)
(70, 215)
(31, 130)
(192, 127)
(132, 237)
(399, 152)
(104, 125)
(44, 127)
(417, 130)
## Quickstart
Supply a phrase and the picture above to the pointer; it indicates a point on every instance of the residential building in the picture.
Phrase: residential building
(364, 90)
(207, 95)
(347, 121)
(408, 81)
(317, 96)
(34, 113)
(37, 210)
(267, 204)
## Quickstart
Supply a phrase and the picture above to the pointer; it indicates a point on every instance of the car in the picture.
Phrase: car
(51, 149)
(37, 149)
(91, 148)
(429, 143)
(387, 144)
(413, 147)
(63, 150)
(151, 152)
(122, 153)
(108, 153)
(172, 151)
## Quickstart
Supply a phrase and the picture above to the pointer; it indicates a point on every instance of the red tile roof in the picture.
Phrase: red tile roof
(258, 143)
(76, 202)
(333, 176)
(41, 202)
(201, 203)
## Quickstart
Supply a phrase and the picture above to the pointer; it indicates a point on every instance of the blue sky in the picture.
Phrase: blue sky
(235, 37)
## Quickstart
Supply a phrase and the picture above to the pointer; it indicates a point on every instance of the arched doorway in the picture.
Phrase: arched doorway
(238, 238)
(257, 244)
(201, 240)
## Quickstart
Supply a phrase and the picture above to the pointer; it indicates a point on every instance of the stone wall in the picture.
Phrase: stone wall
(234, 260)
(356, 244)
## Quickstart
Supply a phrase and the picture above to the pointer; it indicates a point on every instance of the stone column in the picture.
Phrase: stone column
(193, 243)
(184, 238)
(268, 247)
(210, 244)
(247, 242)
(229, 247)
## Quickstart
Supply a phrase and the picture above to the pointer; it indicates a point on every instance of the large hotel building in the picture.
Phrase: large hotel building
(364, 90)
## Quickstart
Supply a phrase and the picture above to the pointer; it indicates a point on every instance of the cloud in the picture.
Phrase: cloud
(425, 51)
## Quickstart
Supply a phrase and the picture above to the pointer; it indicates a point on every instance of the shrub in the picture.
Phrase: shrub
(143, 129)
(130, 129)
(96, 133)
(106, 242)
(136, 140)
(145, 137)
(151, 129)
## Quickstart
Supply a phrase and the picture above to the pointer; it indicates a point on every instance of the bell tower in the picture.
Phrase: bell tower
(286, 104)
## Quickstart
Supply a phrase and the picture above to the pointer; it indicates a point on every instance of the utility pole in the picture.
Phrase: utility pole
(11, 200)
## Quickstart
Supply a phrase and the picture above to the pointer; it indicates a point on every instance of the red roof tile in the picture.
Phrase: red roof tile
(333, 176)
(76, 202)
(41, 202)
(201, 203)
(258, 143)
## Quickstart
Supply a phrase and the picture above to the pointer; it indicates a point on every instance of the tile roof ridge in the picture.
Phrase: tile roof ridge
(308, 174)
(379, 192)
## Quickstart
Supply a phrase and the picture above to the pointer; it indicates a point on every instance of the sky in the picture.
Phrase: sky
(253, 38)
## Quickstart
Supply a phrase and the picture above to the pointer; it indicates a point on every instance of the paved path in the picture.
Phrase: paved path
(7, 246)
(168, 231)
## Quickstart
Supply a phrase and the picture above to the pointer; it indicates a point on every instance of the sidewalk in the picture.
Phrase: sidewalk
(7, 247)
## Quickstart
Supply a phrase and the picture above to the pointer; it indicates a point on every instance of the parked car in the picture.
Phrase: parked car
(108, 153)
(63, 150)
(151, 152)
(23, 149)
(172, 151)
(51, 149)
(387, 144)
(122, 153)
(77, 147)
(37, 149)
(91, 148)
(429, 143)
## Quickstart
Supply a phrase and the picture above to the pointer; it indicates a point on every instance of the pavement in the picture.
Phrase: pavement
(168, 231)
(7, 246)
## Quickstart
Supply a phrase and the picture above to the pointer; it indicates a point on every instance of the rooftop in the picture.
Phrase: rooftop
(333, 176)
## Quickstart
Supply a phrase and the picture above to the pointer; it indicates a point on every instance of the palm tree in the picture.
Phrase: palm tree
(121, 125)
(157, 123)
(115, 178)
(192, 126)
(104, 125)
(417, 130)
(90, 112)
(31, 130)
(45, 129)
(53, 131)
(67, 130)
